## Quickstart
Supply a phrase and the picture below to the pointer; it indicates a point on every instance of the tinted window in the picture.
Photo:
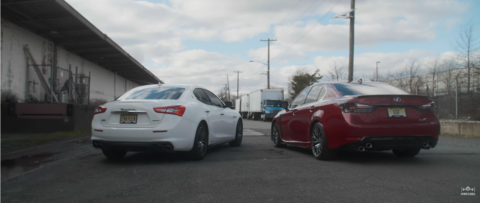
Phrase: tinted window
(300, 98)
(153, 92)
(201, 96)
(272, 103)
(215, 100)
(322, 93)
(313, 95)
(367, 89)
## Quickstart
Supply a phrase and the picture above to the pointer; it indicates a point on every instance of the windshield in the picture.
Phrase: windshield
(272, 103)
(153, 92)
(367, 89)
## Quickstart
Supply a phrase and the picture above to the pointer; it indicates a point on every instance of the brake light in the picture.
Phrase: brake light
(430, 107)
(351, 107)
(99, 109)
(177, 110)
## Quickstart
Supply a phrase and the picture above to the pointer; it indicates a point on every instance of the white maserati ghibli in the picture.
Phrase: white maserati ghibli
(165, 118)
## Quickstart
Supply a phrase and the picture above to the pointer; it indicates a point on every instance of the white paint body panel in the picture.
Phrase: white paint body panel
(181, 130)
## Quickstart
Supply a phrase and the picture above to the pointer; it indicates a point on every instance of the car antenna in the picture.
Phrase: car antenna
(360, 81)
(159, 84)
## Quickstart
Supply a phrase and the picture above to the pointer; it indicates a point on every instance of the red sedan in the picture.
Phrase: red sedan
(369, 116)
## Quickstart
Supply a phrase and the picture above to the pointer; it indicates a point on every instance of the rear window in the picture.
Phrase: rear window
(153, 92)
(367, 89)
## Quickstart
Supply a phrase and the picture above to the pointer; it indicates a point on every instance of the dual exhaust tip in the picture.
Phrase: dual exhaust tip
(364, 148)
(425, 145)
(164, 148)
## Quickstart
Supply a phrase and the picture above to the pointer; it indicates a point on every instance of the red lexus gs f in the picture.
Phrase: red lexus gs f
(368, 116)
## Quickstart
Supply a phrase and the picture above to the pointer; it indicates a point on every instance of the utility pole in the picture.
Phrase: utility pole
(268, 62)
(352, 25)
(377, 70)
(228, 84)
(238, 76)
(225, 91)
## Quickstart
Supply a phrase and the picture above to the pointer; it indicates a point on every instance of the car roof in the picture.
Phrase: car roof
(176, 85)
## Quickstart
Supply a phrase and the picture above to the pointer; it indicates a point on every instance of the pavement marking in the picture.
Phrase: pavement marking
(250, 132)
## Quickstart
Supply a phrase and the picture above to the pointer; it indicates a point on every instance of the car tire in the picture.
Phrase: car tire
(406, 152)
(319, 143)
(238, 135)
(277, 141)
(114, 153)
(200, 143)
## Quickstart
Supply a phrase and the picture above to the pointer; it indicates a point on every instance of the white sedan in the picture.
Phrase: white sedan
(165, 118)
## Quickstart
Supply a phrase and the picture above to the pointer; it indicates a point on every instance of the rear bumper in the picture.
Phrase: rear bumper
(134, 146)
(391, 142)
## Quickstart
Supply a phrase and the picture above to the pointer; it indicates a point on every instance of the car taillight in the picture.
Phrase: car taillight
(177, 110)
(430, 107)
(351, 107)
(99, 109)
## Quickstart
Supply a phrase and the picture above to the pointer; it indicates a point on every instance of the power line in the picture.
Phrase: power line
(316, 23)
(288, 29)
(279, 23)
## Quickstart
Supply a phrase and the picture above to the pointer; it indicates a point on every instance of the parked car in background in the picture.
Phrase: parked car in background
(165, 118)
(368, 116)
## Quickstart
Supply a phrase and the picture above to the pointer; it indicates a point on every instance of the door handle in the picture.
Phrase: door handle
(207, 111)
(311, 108)
(222, 114)
(294, 111)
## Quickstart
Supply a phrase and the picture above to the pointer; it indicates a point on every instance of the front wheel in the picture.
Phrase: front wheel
(277, 142)
(200, 143)
(238, 135)
(319, 143)
(406, 152)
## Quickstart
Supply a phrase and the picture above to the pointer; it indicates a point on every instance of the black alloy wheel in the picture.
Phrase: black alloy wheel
(277, 142)
(319, 143)
(238, 135)
(406, 152)
(200, 144)
(114, 153)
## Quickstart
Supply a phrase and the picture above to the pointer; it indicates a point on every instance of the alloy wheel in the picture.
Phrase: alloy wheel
(317, 141)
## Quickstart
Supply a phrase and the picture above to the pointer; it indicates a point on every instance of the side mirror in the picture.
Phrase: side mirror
(228, 104)
(284, 105)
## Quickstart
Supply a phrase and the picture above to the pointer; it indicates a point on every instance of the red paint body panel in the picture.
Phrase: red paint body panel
(338, 125)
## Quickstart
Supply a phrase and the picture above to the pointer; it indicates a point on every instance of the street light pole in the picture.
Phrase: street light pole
(268, 62)
(377, 70)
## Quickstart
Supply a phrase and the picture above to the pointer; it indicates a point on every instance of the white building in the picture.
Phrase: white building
(54, 38)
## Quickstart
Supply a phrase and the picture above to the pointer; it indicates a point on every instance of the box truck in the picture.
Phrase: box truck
(265, 103)
(244, 103)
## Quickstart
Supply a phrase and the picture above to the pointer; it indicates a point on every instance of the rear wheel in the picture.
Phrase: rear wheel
(114, 153)
(238, 135)
(319, 143)
(200, 143)
(277, 142)
(406, 152)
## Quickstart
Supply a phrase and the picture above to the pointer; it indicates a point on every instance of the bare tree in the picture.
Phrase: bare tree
(412, 70)
(467, 43)
(433, 70)
(337, 72)
(446, 74)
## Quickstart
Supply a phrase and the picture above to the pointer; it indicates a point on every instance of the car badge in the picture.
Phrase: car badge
(397, 99)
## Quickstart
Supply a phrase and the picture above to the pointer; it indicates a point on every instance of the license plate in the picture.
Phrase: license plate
(128, 119)
(397, 112)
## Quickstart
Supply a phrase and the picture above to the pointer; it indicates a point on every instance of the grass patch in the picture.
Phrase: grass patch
(13, 145)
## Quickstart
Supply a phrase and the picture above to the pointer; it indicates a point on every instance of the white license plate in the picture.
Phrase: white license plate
(397, 112)
(128, 119)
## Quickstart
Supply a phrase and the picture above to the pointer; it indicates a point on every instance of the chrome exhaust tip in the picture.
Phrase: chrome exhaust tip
(426, 145)
(361, 148)
(369, 145)
(168, 148)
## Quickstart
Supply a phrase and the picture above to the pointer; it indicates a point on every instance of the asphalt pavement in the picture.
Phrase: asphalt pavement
(253, 172)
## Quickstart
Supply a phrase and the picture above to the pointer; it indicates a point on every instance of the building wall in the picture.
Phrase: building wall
(13, 67)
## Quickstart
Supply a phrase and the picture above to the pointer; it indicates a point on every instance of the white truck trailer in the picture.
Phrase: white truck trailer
(238, 105)
(265, 103)
(244, 105)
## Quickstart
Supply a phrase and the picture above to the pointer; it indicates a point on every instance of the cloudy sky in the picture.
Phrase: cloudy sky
(201, 42)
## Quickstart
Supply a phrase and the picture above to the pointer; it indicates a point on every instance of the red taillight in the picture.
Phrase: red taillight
(99, 109)
(177, 110)
(430, 107)
(351, 107)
